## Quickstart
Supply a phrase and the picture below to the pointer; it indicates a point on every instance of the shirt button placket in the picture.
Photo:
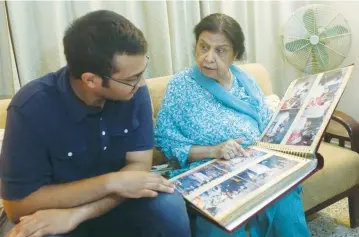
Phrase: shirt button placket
(103, 133)
(104, 146)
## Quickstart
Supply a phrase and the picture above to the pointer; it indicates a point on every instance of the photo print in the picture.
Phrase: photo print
(191, 182)
(279, 127)
(238, 162)
(222, 196)
(298, 94)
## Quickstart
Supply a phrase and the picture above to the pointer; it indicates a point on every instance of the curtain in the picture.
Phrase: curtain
(38, 28)
(6, 57)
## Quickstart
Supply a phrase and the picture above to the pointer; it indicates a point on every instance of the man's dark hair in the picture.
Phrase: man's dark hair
(92, 41)
(221, 23)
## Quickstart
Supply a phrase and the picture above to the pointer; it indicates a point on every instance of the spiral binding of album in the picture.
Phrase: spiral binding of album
(303, 152)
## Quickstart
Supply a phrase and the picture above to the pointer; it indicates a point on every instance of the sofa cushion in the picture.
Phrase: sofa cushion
(157, 88)
(260, 74)
(340, 173)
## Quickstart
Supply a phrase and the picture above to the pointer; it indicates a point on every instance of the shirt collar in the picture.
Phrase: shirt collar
(76, 109)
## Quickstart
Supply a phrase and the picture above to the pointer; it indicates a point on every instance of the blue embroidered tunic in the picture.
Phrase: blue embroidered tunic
(190, 115)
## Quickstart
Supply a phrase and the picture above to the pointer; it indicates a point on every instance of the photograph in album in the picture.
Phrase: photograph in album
(190, 183)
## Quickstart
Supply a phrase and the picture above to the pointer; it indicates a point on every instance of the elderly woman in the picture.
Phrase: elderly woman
(212, 111)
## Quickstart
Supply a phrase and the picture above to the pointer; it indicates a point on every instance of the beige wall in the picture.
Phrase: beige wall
(349, 101)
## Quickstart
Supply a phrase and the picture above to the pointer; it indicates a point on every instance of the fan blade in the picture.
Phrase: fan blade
(335, 30)
(320, 56)
(309, 21)
(296, 45)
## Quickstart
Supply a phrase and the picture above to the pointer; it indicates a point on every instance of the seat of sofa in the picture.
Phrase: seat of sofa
(340, 173)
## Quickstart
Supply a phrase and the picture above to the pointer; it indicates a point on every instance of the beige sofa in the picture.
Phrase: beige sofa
(338, 179)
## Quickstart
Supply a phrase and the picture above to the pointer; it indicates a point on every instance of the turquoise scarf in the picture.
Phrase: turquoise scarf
(226, 98)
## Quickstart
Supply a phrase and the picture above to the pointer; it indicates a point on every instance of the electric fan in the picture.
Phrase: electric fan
(316, 38)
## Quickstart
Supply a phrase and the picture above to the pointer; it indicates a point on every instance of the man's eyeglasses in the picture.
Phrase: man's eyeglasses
(138, 79)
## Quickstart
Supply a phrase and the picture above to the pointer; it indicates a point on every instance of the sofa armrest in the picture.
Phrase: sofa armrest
(350, 125)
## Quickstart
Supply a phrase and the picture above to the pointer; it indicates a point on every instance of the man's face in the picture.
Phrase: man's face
(127, 79)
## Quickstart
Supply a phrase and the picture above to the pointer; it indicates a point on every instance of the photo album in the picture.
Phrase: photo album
(230, 192)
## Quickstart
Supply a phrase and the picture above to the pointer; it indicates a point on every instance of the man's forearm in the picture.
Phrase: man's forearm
(97, 208)
(68, 195)
(100, 207)
(59, 197)
(138, 161)
(136, 167)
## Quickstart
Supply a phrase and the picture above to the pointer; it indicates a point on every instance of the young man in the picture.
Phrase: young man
(78, 143)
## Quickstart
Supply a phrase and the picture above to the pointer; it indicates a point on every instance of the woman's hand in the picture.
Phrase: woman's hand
(230, 149)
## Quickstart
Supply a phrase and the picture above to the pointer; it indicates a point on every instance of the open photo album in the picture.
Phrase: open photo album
(229, 193)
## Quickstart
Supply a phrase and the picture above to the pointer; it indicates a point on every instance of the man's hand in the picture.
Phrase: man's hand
(229, 149)
(46, 222)
(137, 184)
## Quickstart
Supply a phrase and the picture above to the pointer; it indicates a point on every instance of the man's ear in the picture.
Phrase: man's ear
(235, 57)
(91, 80)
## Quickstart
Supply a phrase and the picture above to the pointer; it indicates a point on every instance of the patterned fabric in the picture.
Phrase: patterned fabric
(190, 115)
(249, 106)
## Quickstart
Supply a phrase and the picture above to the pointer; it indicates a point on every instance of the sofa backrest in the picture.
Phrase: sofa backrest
(157, 86)
(3, 109)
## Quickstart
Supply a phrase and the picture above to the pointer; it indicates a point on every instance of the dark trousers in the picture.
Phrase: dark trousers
(163, 216)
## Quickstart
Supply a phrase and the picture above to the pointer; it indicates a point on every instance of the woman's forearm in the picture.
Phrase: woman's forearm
(202, 152)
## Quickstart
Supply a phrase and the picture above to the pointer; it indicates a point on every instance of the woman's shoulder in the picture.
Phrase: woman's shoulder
(178, 90)
(181, 80)
(182, 77)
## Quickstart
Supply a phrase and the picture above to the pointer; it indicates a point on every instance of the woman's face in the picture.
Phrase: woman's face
(214, 54)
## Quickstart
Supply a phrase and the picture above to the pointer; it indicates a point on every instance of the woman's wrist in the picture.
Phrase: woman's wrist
(202, 152)
(213, 152)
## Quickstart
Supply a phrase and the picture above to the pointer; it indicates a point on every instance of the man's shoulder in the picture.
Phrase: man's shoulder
(143, 92)
(40, 92)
